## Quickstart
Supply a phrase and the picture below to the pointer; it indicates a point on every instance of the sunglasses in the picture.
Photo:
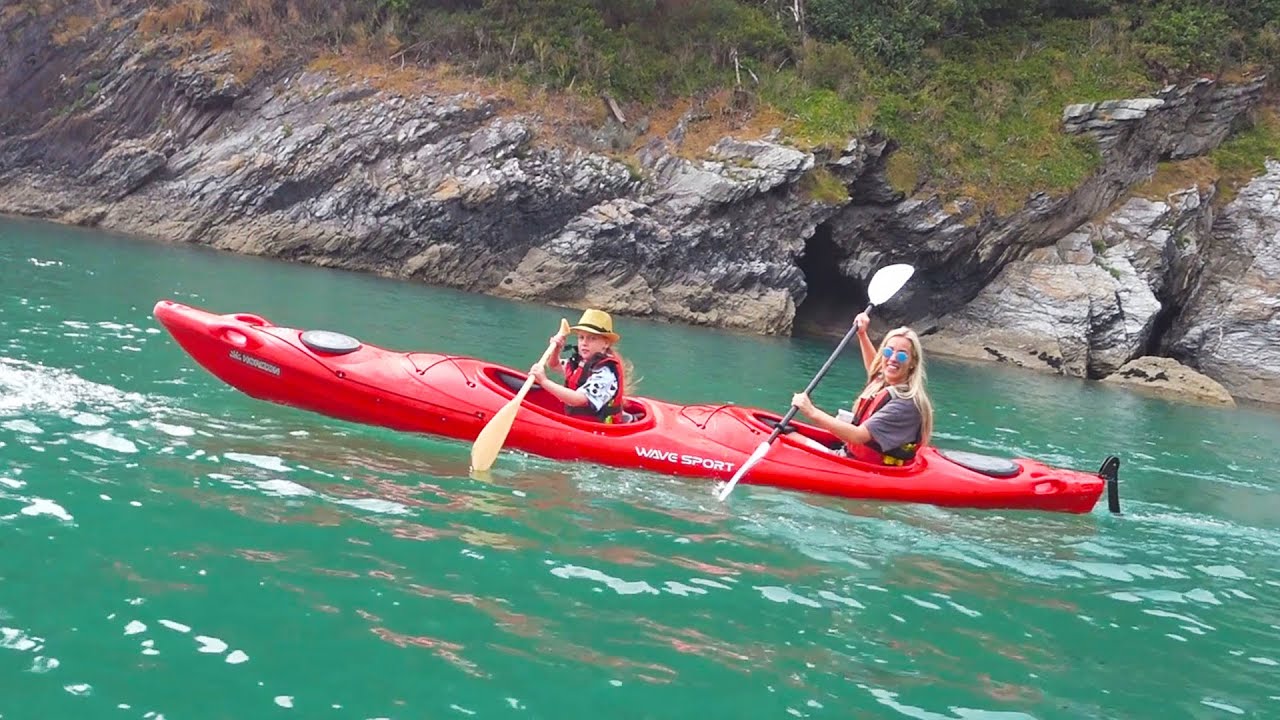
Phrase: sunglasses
(902, 356)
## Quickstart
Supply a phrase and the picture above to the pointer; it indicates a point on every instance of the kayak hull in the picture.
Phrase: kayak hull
(454, 396)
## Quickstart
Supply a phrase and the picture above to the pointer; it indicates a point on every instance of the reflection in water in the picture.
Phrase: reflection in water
(446, 651)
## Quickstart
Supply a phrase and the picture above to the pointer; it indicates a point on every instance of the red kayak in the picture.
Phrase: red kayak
(453, 396)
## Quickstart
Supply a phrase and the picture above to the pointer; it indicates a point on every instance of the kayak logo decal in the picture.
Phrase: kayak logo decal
(676, 458)
(254, 362)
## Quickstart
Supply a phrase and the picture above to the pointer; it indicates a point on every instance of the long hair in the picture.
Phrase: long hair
(914, 387)
(629, 380)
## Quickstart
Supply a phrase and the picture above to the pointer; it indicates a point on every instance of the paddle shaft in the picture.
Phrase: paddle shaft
(546, 355)
(791, 412)
(489, 441)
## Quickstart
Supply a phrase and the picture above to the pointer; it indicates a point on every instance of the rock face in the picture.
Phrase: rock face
(1167, 377)
(135, 133)
(1230, 325)
(1092, 302)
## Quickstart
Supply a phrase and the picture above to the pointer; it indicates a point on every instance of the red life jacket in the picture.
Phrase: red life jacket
(576, 372)
(871, 451)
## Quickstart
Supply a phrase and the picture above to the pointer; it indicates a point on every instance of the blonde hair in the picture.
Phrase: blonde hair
(913, 389)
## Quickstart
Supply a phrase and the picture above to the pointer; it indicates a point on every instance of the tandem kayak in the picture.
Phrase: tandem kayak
(453, 396)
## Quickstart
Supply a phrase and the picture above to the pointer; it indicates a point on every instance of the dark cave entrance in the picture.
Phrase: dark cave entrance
(833, 300)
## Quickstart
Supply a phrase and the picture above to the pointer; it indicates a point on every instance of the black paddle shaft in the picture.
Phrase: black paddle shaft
(814, 382)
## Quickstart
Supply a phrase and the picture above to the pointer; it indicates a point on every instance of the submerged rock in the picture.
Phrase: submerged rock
(1170, 378)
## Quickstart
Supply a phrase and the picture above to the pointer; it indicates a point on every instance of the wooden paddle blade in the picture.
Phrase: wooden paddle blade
(484, 451)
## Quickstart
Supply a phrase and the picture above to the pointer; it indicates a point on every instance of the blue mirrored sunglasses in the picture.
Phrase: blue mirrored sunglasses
(902, 356)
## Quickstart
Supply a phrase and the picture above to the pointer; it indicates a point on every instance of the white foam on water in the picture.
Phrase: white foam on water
(108, 441)
(44, 664)
(385, 507)
(923, 603)
(88, 419)
(709, 583)
(1264, 661)
(459, 708)
(44, 263)
(134, 627)
(11, 482)
(15, 639)
(679, 588)
(850, 602)
(176, 626)
(27, 386)
(1176, 616)
(964, 610)
(211, 645)
(1228, 572)
(78, 688)
(284, 701)
(622, 587)
(236, 657)
(266, 462)
(284, 488)
(785, 596)
(173, 430)
(22, 426)
(1222, 706)
(41, 506)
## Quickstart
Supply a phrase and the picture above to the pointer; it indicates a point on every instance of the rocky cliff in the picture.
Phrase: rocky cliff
(131, 132)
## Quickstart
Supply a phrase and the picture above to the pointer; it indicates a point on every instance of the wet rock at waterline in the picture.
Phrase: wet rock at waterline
(1171, 379)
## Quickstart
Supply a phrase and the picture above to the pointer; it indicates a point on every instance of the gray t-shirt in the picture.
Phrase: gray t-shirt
(895, 424)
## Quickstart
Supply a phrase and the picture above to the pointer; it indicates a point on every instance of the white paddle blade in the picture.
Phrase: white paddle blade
(887, 281)
(755, 458)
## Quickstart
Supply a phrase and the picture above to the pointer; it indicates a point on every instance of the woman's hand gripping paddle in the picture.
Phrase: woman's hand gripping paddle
(884, 284)
(489, 442)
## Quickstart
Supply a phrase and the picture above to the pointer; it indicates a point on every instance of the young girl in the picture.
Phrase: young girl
(595, 380)
(893, 415)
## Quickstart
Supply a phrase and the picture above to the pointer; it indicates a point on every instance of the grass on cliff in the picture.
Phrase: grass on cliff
(971, 90)
(984, 121)
(1231, 165)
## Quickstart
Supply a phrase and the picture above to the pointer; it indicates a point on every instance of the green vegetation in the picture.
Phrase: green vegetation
(1239, 159)
(973, 90)
(824, 187)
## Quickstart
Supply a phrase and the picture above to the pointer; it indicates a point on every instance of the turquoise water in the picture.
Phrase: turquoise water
(173, 548)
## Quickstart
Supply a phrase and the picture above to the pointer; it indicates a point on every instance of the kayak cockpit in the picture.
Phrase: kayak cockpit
(635, 413)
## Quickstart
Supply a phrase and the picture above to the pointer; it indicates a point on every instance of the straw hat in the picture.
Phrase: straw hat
(597, 322)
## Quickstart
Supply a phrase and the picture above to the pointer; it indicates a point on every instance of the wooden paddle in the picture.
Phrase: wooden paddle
(884, 284)
(489, 442)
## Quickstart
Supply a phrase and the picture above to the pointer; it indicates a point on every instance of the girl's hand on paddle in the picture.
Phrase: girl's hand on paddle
(802, 403)
(862, 322)
(539, 373)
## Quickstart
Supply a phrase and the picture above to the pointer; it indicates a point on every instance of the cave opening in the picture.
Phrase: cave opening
(1158, 340)
(832, 300)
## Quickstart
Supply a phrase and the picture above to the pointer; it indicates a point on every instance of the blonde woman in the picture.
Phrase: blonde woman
(893, 416)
